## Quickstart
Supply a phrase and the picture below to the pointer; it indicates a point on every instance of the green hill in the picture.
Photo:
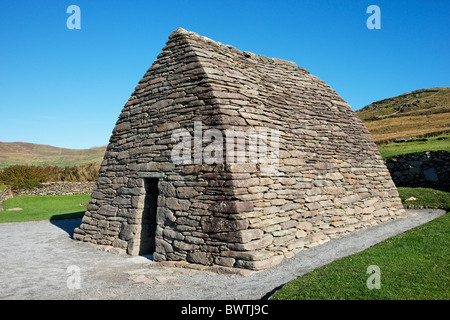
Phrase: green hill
(23, 153)
(424, 112)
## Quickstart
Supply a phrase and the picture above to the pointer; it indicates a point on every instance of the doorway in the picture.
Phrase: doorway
(148, 225)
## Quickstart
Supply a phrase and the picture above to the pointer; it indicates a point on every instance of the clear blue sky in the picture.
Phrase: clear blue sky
(67, 87)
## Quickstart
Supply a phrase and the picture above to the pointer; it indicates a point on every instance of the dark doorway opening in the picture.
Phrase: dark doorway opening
(148, 230)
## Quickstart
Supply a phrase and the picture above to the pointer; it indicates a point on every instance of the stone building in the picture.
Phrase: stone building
(171, 186)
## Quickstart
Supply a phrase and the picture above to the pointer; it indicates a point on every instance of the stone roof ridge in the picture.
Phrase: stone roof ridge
(246, 54)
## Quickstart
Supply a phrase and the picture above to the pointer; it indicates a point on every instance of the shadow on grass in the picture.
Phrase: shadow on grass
(68, 221)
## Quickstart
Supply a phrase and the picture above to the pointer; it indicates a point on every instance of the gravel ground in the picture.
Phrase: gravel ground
(36, 259)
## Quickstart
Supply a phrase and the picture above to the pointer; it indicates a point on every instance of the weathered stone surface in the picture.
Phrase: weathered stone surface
(163, 246)
(261, 264)
(218, 225)
(177, 204)
(108, 211)
(184, 245)
(421, 168)
(225, 261)
(167, 189)
(186, 192)
(255, 255)
(242, 236)
(232, 206)
(164, 214)
(129, 231)
(252, 245)
(200, 258)
(431, 175)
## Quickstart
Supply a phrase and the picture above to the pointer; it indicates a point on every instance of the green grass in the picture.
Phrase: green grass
(426, 197)
(414, 266)
(438, 143)
(44, 208)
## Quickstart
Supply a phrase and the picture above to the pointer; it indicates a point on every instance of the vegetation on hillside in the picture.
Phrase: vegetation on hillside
(28, 177)
(21, 153)
(424, 112)
(424, 101)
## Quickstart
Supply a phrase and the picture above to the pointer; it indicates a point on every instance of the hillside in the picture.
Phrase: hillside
(414, 114)
(38, 154)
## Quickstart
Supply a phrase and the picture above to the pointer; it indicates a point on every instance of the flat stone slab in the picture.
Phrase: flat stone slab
(37, 260)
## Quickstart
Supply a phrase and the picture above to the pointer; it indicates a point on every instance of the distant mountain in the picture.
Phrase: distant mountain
(38, 154)
(412, 114)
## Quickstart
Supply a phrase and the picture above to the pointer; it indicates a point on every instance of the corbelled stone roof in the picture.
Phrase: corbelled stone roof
(220, 46)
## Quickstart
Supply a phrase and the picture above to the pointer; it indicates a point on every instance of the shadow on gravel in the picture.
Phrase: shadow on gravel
(66, 224)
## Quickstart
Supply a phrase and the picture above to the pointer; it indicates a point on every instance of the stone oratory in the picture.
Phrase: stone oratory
(228, 160)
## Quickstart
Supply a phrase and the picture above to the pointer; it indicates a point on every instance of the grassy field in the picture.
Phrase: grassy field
(421, 112)
(438, 143)
(413, 266)
(44, 208)
(426, 197)
(407, 126)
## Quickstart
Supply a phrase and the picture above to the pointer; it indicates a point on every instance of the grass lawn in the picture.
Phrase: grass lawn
(414, 265)
(439, 143)
(44, 208)
(426, 197)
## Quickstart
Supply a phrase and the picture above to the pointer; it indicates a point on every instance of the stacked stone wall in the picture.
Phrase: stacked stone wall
(59, 188)
(5, 195)
(420, 169)
(330, 178)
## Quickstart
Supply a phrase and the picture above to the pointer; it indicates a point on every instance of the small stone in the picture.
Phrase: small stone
(232, 206)
(217, 225)
(186, 192)
(14, 209)
(259, 265)
(241, 236)
(225, 261)
(200, 258)
(252, 245)
(177, 204)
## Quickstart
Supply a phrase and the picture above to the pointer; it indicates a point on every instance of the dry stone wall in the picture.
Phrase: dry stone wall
(420, 168)
(5, 195)
(59, 188)
(330, 180)
(50, 189)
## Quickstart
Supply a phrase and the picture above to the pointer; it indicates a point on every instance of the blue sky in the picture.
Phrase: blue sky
(66, 88)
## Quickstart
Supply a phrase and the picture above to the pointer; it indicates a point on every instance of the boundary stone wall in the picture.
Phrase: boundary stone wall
(420, 168)
(50, 189)
(59, 188)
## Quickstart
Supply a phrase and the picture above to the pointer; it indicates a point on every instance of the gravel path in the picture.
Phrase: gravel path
(36, 259)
